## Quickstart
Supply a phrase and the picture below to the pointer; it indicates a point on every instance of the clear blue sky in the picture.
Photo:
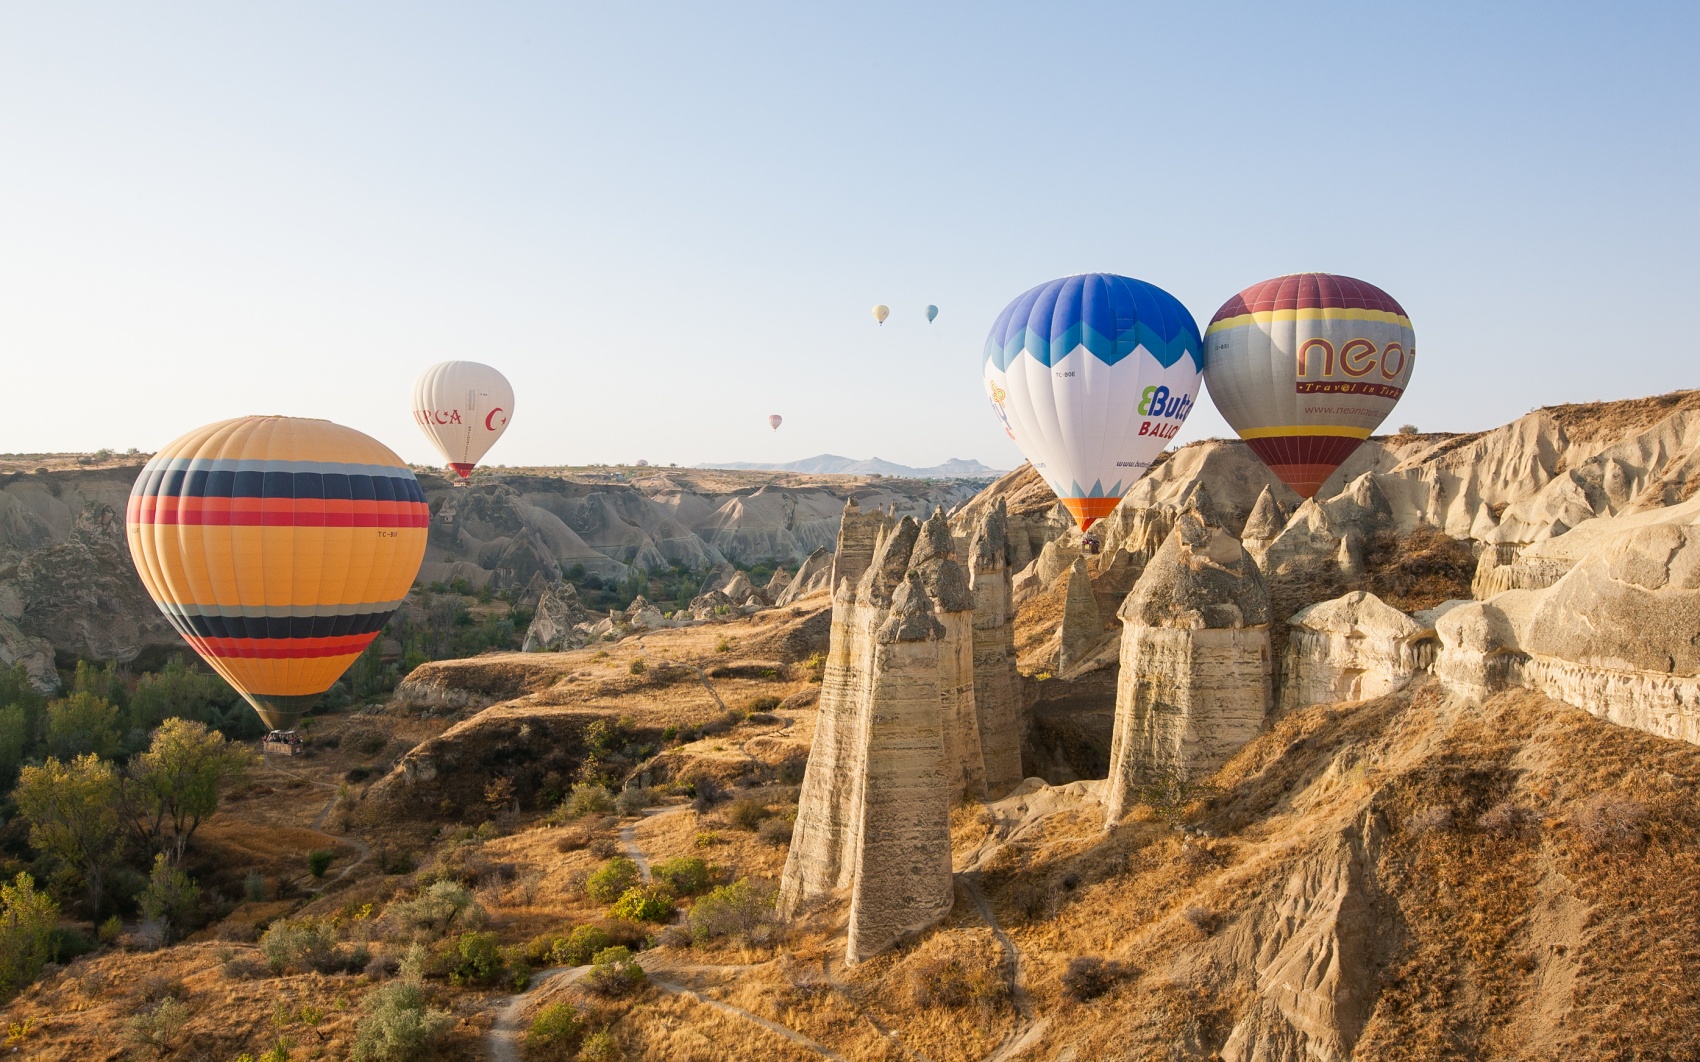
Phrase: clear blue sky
(664, 222)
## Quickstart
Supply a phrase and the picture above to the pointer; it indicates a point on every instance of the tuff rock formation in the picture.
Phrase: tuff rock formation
(1082, 628)
(994, 654)
(555, 626)
(899, 736)
(1352, 648)
(1195, 661)
(813, 576)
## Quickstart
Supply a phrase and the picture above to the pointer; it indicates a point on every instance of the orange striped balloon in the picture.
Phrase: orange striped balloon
(278, 547)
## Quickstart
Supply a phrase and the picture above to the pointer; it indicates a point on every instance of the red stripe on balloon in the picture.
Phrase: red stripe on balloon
(280, 648)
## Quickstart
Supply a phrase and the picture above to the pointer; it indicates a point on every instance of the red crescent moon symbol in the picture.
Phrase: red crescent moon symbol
(491, 427)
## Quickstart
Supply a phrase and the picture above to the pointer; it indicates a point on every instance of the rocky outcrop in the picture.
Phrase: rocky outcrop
(555, 626)
(995, 697)
(812, 577)
(1195, 661)
(1082, 628)
(1352, 648)
(900, 736)
(1263, 525)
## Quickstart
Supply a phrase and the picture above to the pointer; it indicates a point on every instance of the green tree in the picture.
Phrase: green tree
(82, 723)
(103, 682)
(72, 809)
(170, 896)
(14, 741)
(27, 920)
(17, 692)
(174, 785)
(179, 691)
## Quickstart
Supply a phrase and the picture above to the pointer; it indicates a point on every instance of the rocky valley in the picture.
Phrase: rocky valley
(692, 764)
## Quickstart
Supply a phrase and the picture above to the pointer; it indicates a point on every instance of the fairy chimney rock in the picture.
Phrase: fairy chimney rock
(1195, 661)
(994, 653)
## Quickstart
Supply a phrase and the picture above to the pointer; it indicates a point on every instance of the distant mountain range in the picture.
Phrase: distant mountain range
(832, 464)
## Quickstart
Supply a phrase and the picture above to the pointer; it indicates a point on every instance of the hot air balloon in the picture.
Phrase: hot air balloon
(774, 420)
(1092, 375)
(463, 407)
(278, 547)
(881, 312)
(1305, 366)
(932, 312)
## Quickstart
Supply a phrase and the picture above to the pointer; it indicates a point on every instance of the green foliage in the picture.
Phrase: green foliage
(299, 944)
(183, 692)
(27, 920)
(174, 785)
(103, 683)
(254, 887)
(15, 740)
(396, 1026)
(633, 800)
(611, 880)
(613, 972)
(474, 959)
(686, 876)
(110, 930)
(644, 903)
(580, 946)
(734, 910)
(81, 724)
(637, 666)
(319, 861)
(599, 1046)
(170, 896)
(431, 912)
(159, 1028)
(588, 800)
(556, 1031)
(72, 810)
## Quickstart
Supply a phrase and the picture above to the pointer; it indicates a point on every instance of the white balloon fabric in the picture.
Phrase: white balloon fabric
(881, 312)
(463, 407)
(774, 420)
(1092, 375)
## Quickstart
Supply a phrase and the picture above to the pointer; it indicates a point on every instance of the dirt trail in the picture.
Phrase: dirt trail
(504, 1036)
(628, 837)
(355, 843)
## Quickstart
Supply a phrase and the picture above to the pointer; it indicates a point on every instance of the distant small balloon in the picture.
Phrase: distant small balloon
(774, 421)
(881, 312)
(932, 312)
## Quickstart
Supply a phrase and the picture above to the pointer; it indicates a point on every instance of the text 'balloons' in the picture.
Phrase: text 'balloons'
(1092, 375)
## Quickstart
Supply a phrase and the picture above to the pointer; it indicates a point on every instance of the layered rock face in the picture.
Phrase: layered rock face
(812, 577)
(994, 654)
(1352, 648)
(1195, 661)
(900, 735)
(556, 624)
(1615, 635)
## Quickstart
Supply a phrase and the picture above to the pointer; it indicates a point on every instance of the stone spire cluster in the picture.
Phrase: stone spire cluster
(902, 733)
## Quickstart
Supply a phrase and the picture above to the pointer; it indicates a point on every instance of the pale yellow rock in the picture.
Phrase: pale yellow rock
(994, 655)
(1352, 648)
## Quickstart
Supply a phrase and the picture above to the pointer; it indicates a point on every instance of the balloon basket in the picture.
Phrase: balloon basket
(281, 742)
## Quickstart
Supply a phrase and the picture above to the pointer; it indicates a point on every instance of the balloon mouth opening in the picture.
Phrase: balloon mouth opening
(282, 712)
(464, 471)
(1088, 511)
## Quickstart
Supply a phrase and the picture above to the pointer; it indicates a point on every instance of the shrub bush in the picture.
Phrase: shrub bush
(299, 944)
(1609, 818)
(604, 847)
(614, 973)
(474, 959)
(747, 814)
(775, 831)
(27, 919)
(600, 1046)
(580, 946)
(556, 1032)
(160, 1027)
(610, 881)
(764, 703)
(431, 912)
(937, 979)
(319, 861)
(396, 1026)
(706, 791)
(633, 800)
(644, 903)
(587, 799)
(686, 876)
(735, 910)
(1087, 978)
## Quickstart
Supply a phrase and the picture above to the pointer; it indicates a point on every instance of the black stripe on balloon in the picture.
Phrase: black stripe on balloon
(282, 626)
(334, 486)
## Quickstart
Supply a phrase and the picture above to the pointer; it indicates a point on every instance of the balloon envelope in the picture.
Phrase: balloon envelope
(881, 312)
(932, 312)
(1304, 367)
(277, 547)
(463, 407)
(1092, 375)
(774, 420)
